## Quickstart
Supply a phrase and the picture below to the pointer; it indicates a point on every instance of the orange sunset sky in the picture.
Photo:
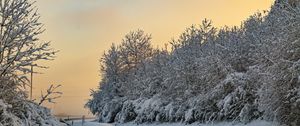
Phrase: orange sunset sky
(83, 29)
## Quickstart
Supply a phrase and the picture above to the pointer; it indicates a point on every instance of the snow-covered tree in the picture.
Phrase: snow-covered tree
(20, 48)
(136, 48)
(122, 67)
(20, 45)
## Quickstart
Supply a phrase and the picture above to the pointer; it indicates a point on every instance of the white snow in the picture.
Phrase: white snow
(254, 123)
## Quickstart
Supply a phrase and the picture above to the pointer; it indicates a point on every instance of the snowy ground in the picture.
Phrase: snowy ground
(89, 123)
(254, 123)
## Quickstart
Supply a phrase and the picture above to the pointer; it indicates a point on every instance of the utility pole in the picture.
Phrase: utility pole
(31, 78)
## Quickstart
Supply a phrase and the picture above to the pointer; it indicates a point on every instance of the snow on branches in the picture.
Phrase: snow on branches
(229, 74)
(20, 46)
(20, 49)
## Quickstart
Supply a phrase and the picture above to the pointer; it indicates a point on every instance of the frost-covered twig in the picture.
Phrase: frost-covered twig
(50, 95)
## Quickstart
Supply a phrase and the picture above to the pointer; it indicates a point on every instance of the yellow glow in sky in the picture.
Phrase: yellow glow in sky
(83, 29)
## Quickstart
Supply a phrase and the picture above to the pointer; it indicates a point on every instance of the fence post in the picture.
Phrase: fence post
(83, 120)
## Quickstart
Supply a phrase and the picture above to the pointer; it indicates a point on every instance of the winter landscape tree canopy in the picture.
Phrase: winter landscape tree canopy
(245, 73)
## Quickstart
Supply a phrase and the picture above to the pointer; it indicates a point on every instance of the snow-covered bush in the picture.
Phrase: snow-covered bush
(8, 118)
(110, 111)
(239, 103)
(36, 115)
(15, 110)
(127, 112)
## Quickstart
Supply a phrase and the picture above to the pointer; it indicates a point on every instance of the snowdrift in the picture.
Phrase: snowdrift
(32, 115)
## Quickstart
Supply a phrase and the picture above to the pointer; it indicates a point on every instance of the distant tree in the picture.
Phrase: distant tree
(189, 56)
(111, 73)
(112, 70)
(135, 48)
(151, 80)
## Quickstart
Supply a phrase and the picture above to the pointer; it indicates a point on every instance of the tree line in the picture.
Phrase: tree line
(210, 74)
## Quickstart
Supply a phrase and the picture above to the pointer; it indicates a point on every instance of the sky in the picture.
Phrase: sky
(83, 29)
